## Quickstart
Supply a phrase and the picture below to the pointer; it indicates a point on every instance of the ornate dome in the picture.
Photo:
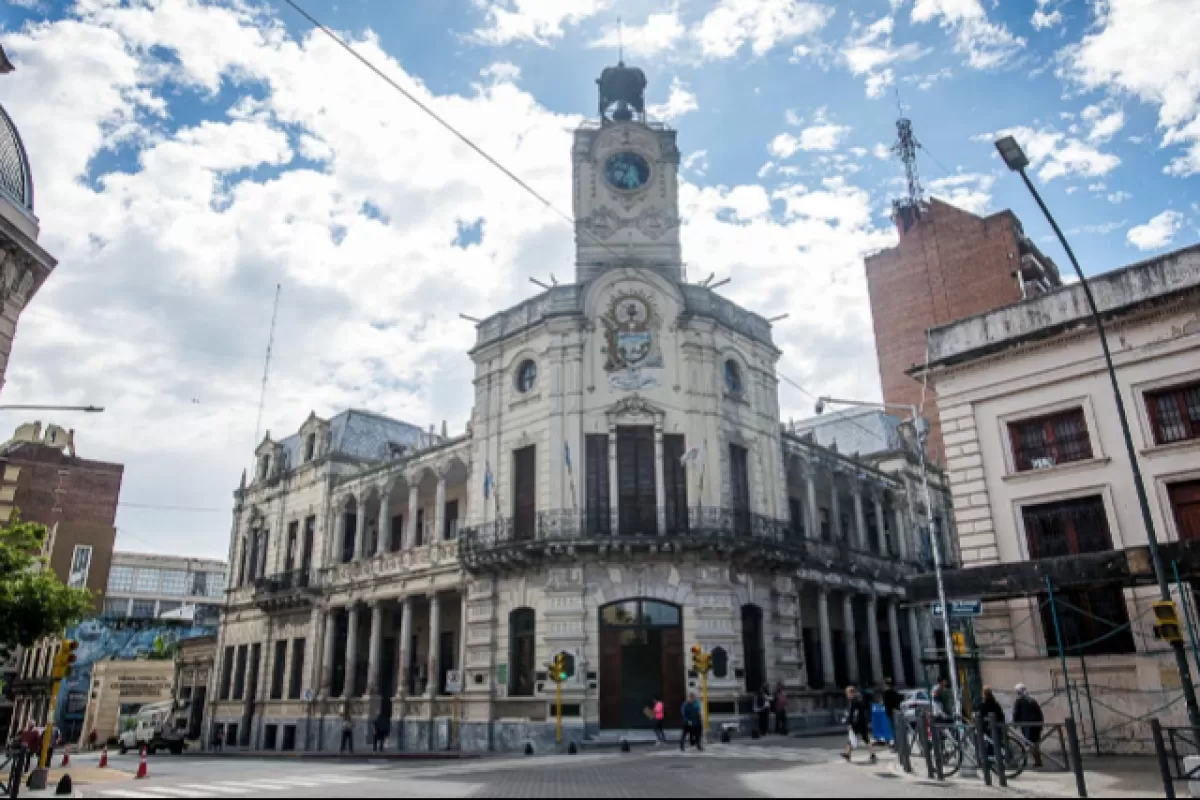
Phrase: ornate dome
(16, 179)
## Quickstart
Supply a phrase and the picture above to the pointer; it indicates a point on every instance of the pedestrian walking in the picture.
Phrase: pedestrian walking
(383, 727)
(1027, 713)
(218, 738)
(347, 732)
(660, 714)
(990, 708)
(762, 707)
(858, 720)
(942, 704)
(892, 700)
(692, 723)
(781, 710)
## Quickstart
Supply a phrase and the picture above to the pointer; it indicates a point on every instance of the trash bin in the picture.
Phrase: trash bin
(881, 726)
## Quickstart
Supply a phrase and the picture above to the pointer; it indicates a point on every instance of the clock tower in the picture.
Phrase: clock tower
(626, 197)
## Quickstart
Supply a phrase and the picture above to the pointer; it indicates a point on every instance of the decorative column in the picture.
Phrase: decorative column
(435, 637)
(901, 531)
(827, 667)
(351, 652)
(894, 638)
(660, 480)
(373, 649)
(851, 638)
(360, 531)
(339, 535)
(873, 637)
(860, 520)
(405, 654)
(614, 495)
(410, 532)
(462, 638)
(439, 511)
(814, 518)
(385, 522)
(914, 639)
(316, 627)
(880, 528)
(326, 675)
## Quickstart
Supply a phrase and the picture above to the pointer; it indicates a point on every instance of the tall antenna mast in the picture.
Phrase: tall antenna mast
(620, 42)
(906, 148)
(262, 397)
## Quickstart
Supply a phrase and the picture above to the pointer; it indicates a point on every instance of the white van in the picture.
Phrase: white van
(154, 729)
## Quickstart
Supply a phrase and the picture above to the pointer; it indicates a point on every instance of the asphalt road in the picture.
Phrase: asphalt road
(768, 769)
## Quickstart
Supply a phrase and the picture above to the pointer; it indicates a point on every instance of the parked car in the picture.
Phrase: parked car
(914, 701)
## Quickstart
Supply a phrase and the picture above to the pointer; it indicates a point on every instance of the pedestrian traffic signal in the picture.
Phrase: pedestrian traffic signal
(65, 659)
(701, 661)
(1166, 622)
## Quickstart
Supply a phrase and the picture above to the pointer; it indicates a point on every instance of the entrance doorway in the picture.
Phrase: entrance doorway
(641, 658)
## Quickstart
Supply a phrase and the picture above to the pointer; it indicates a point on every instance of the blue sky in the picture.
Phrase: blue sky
(190, 155)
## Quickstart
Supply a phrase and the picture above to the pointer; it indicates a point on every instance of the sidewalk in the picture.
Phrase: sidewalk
(1105, 777)
(81, 776)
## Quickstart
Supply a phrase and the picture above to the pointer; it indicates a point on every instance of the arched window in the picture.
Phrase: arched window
(310, 447)
(733, 378)
(526, 375)
(522, 653)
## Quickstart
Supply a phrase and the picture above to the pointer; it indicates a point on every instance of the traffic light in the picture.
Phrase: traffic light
(701, 661)
(960, 642)
(1166, 622)
(65, 659)
(558, 668)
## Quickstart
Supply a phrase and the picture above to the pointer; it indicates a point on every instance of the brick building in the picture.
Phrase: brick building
(949, 264)
(76, 499)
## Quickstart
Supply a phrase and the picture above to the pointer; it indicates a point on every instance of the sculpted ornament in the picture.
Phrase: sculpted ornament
(631, 335)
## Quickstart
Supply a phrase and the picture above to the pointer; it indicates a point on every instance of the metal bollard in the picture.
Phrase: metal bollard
(936, 744)
(923, 738)
(1076, 758)
(999, 743)
(981, 750)
(1164, 765)
(900, 731)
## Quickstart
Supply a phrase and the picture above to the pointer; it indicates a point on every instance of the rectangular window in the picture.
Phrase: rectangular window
(216, 584)
(675, 481)
(310, 531)
(278, 669)
(174, 582)
(397, 539)
(310, 447)
(115, 608)
(451, 514)
(293, 540)
(1046, 441)
(1185, 503)
(1175, 413)
(296, 678)
(420, 528)
(1090, 621)
(198, 584)
(142, 609)
(239, 675)
(826, 533)
(597, 503)
(637, 490)
(120, 580)
(226, 673)
(796, 517)
(525, 492)
(739, 478)
(81, 566)
(146, 581)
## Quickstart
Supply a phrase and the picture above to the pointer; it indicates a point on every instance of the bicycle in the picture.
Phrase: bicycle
(959, 744)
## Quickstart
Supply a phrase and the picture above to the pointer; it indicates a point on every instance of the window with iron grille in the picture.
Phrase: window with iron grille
(1175, 413)
(1046, 441)
(1090, 621)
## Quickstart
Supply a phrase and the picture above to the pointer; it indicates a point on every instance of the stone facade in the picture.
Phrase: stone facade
(1032, 433)
(624, 490)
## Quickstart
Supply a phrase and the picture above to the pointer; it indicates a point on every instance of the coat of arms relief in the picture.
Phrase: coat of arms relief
(631, 342)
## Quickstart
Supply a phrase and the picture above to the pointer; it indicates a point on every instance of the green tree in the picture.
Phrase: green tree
(34, 604)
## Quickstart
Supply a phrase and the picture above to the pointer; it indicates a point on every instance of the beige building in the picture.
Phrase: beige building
(193, 671)
(1038, 470)
(119, 689)
(624, 489)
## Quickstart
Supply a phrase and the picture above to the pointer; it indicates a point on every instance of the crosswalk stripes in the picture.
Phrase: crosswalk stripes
(233, 788)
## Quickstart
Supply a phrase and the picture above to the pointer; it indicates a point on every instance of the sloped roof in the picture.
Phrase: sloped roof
(361, 435)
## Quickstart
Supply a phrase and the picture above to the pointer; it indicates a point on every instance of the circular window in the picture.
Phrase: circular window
(626, 171)
(733, 377)
(526, 375)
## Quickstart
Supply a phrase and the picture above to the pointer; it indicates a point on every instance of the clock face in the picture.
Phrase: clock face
(627, 172)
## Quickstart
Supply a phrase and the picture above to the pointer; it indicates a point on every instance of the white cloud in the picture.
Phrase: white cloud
(696, 163)
(680, 101)
(881, 151)
(1119, 197)
(1104, 125)
(822, 135)
(661, 32)
(1149, 50)
(1046, 15)
(762, 24)
(187, 242)
(969, 191)
(538, 21)
(1157, 233)
(986, 45)
(1058, 155)
(869, 51)
(1101, 229)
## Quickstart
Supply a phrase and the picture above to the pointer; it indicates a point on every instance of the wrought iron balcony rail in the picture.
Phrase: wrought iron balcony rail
(284, 588)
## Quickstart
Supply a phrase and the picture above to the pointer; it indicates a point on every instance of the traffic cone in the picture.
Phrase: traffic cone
(104, 757)
(66, 762)
(141, 773)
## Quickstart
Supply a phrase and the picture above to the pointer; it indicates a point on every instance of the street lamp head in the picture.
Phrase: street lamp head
(820, 407)
(1014, 157)
(93, 409)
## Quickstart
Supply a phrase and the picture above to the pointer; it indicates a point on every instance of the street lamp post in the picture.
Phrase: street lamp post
(922, 432)
(1014, 157)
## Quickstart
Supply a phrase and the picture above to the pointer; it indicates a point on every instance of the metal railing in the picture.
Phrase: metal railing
(1173, 746)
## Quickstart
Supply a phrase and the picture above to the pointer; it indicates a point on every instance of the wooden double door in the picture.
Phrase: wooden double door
(641, 660)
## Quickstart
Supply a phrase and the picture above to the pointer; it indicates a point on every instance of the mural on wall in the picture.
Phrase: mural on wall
(631, 342)
(119, 639)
